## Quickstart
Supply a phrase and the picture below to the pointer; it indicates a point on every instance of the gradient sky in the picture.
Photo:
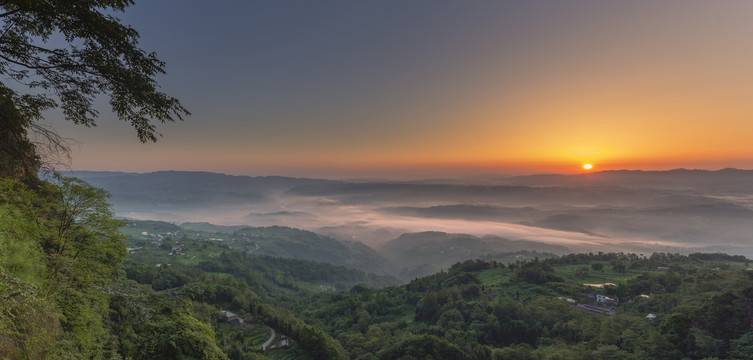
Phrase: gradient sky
(419, 88)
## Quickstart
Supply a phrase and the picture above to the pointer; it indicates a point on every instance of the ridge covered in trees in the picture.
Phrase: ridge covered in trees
(669, 307)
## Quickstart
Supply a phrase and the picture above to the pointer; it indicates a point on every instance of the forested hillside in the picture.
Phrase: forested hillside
(73, 289)
(580, 306)
(659, 307)
(663, 306)
(70, 291)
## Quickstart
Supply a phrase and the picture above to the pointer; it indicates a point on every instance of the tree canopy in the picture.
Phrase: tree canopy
(61, 251)
(66, 53)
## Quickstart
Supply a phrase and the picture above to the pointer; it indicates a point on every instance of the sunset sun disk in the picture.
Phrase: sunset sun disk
(587, 166)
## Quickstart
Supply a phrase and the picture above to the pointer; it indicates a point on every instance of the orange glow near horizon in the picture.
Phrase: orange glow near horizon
(405, 168)
(620, 85)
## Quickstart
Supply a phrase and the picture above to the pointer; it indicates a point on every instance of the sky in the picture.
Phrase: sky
(427, 88)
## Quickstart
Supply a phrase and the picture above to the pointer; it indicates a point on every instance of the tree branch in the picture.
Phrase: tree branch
(7, 29)
(29, 66)
(10, 12)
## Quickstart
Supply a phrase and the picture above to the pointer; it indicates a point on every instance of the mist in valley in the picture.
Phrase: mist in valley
(639, 212)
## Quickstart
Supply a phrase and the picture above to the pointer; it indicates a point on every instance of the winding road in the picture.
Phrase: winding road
(271, 338)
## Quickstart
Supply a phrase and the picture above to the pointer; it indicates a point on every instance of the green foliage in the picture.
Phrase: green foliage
(241, 342)
(61, 291)
(281, 241)
(536, 272)
(73, 226)
(272, 241)
(514, 352)
(517, 315)
(21, 258)
(267, 274)
(61, 237)
(98, 55)
(422, 347)
(742, 347)
(28, 321)
(18, 157)
(179, 337)
(62, 295)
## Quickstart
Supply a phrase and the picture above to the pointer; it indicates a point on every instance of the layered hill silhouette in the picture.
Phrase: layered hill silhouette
(643, 211)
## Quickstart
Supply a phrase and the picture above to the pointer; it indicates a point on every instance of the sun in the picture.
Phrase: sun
(587, 166)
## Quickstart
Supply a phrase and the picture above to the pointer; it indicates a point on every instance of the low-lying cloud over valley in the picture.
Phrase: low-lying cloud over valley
(642, 212)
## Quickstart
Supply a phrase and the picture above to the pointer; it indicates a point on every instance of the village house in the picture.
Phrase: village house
(177, 250)
(231, 318)
(607, 300)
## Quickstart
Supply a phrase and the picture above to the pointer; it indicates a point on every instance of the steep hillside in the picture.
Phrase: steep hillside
(306, 245)
(421, 254)
(274, 241)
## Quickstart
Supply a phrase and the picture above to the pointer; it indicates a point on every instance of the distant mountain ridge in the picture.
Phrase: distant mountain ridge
(723, 180)
(194, 178)
(726, 178)
(644, 210)
(163, 190)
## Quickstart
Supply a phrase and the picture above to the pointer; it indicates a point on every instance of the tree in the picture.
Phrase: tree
(28, 321)
(451, 319)
(67, 227)
(742, 347)
(60, 246)
(421, 347)
(18, 158)
(65, 54)
(181, 337)
(73, 225)
(619, 266)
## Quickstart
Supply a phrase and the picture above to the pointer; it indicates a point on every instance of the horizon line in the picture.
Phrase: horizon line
(396, 174)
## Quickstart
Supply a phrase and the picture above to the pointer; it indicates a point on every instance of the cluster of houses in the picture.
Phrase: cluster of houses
(133, 249)
(160, 236)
